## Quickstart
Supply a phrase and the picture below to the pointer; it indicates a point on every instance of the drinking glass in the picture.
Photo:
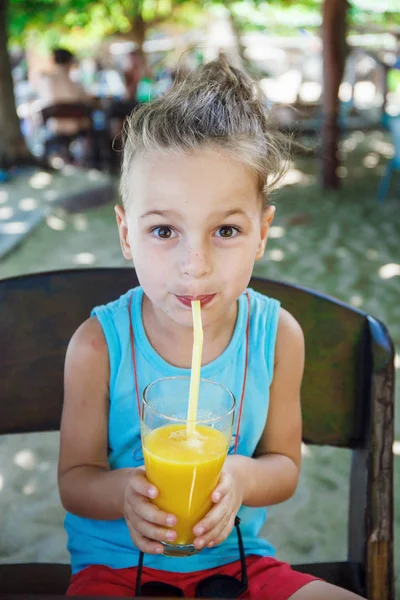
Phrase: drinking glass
(184, 459)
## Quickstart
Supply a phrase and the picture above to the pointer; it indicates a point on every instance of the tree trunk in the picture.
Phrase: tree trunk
(239, 52)
(139, 28)
(334, 58)
(13, 149)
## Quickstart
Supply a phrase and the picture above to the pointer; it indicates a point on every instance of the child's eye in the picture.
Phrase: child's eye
(227, 231)
(164, 232)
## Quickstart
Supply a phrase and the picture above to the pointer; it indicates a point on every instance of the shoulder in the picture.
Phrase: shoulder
(288, 326)
(88, 330)
(43, 82)
(289, 338)
(48, 79)
(88, 344)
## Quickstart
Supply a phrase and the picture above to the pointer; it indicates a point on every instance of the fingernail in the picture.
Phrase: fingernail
(170, 521)
(152, 493)
(170, 535)
(159, 550)
(217, 497)
(199, 531)
(210, 545)
(200, 544)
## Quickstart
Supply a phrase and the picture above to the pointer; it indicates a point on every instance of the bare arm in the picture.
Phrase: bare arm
(87, 486)
(272, 476)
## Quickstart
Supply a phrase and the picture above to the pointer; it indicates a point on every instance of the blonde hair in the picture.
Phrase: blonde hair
(217, 106)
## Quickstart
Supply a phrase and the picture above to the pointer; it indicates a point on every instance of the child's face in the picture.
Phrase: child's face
(193, 227)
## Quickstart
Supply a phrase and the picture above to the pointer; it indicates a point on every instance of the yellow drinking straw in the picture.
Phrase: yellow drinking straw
(196, 365)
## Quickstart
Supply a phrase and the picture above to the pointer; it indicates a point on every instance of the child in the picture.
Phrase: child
(198, 168)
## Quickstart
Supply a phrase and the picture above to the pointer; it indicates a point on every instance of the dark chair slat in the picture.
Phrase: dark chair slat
(34, 578)
(67, 110)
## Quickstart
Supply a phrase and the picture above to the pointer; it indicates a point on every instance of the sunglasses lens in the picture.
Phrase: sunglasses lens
(220, 586)
(157, 589)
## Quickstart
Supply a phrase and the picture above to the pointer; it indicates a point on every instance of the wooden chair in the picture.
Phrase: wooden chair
(62, 142)
(347, 401)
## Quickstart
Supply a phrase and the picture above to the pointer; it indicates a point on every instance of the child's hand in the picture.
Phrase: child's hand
(145, 521)
(220, 520)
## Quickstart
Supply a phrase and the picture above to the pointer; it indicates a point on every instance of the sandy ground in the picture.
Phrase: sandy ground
(31, 513)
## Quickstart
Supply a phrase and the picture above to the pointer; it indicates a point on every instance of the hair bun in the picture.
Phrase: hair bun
(216, 105)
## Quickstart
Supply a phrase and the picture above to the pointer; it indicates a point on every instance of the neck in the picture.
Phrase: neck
(64, 68)
(174, 343)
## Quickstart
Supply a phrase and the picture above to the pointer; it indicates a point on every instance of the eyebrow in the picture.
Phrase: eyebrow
(169, 213)
(233, 211)
(158, 213)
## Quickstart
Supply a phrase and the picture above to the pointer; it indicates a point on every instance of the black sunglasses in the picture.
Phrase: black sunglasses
(215, 586)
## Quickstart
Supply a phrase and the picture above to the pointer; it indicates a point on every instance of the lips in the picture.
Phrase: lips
(204, 300)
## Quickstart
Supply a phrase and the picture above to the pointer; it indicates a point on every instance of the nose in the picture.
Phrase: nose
(197, 261)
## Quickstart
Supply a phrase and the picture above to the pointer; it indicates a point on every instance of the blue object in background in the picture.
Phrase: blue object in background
(4, 176)
(99, 120)
(394, 163)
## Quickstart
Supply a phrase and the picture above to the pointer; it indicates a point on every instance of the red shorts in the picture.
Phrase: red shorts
(268, 578)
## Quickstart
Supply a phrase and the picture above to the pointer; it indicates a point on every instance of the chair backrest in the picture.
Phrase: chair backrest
(67, 110)
(347, 392)
(39, 314)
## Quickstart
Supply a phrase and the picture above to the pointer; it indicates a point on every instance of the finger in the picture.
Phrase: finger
(144, 544)
(223, 487)
(139, 484)
(213, 518)
(153, 532)
(222, 535)
(216, 535)
(149, 512)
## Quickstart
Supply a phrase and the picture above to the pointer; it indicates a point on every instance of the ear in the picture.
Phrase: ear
(266, 220)
(123, 231)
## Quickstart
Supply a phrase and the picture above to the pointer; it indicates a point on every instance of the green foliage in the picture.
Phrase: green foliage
(84, 22)
(26, 15)
(277, 16)
(70, 20)
(393, 80)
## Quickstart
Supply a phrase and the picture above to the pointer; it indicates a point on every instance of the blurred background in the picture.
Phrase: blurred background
(72, 70)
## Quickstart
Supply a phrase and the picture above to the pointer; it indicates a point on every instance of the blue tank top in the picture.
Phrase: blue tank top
(108, 542)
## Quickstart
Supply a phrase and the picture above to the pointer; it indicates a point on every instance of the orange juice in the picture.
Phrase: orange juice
(185, 469)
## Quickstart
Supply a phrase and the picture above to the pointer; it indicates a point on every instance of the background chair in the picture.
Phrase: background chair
(393, 165)
(347, 401)
(61, 143)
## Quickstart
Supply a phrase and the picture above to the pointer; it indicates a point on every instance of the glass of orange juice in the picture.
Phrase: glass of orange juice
(184, 459)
